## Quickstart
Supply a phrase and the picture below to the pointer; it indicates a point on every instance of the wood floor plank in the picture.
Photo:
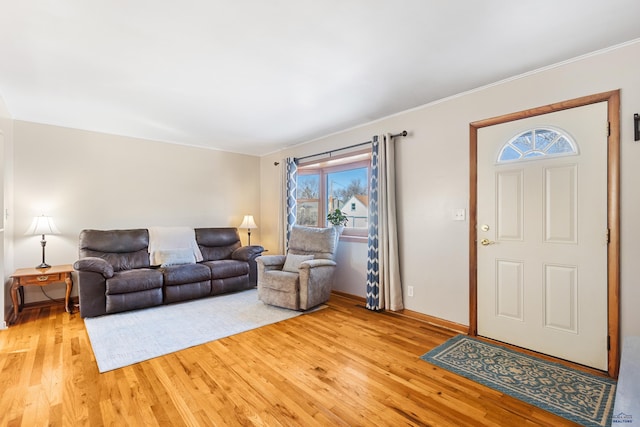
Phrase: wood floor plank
(339, 366)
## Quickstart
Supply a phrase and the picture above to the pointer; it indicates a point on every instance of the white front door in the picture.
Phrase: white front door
(542, 236)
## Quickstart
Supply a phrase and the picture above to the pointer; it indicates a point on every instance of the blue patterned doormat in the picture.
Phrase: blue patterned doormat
(575, 395)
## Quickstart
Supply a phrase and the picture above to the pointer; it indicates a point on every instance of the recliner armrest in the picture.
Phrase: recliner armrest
(94, 264)
(313, 263)
(271, 260)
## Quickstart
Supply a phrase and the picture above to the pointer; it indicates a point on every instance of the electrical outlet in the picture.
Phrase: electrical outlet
(410, 291)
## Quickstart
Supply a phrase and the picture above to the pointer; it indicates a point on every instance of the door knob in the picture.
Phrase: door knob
(486, 242)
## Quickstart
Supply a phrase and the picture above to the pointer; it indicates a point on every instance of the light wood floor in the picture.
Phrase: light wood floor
(342, 366)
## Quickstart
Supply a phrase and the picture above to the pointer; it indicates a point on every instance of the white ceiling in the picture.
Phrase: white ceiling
(253, 76)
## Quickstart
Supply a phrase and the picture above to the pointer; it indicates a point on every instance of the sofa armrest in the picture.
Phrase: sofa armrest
(246, 253)
(92, 289)
(249, 254)
(95, 265)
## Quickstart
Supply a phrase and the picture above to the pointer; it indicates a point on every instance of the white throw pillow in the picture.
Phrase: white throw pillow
(167, 257)
(292, 262)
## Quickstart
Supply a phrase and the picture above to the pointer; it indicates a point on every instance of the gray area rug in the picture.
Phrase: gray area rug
(123, 339)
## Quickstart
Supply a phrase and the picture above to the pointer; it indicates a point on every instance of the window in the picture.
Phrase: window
(308, 199)
(537, 143)
(339, 183)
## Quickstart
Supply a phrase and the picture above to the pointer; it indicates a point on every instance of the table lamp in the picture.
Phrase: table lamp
(42, 225)
(248, 223)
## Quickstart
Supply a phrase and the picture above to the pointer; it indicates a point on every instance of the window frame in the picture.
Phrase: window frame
(353, 160)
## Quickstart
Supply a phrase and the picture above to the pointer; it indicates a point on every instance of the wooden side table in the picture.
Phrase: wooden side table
(39, 277)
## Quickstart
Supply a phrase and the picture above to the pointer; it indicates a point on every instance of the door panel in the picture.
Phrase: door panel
(509, 289)
(560, 204)
(561, 298)
(542, 246)
(509, 200)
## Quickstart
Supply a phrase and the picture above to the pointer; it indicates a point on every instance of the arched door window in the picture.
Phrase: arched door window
(538, 142)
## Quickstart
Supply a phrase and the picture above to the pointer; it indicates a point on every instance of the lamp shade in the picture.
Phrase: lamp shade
(248, 222)
(43, 225)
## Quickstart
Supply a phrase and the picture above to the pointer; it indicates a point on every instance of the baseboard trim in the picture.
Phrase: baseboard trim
(345, 295)
(431, 320)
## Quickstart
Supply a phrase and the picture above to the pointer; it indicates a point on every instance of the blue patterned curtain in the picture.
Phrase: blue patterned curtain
(384, 287)
(289, 188)
(373, 263)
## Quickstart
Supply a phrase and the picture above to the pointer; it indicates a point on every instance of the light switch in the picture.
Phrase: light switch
(459, 214)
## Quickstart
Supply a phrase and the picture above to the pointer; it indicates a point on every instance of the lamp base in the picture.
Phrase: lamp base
(44, 265)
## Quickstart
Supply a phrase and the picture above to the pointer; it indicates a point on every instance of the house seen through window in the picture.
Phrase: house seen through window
(338, 183)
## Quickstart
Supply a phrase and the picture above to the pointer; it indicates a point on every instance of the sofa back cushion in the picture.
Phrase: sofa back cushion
(123, 249)
(217, 243)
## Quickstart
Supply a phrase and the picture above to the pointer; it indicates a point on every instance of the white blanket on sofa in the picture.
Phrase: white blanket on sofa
(172, 238)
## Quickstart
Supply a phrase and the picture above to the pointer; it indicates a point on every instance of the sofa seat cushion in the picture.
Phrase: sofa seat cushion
(187, 273)
(116, 303)
(225, 268)
(281, 281)
(230, 284)
(127, 281)
(186, 291)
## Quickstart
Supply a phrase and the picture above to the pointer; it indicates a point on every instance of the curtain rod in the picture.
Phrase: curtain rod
(403, 133)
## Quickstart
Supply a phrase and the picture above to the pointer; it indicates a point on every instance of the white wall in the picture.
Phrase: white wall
(88, 179)
(433, 174)
(6, 205)
(93, 180)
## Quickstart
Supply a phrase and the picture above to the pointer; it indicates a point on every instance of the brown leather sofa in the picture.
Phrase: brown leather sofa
(114, 272)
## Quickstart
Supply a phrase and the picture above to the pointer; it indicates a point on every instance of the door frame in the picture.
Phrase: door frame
(613, 211)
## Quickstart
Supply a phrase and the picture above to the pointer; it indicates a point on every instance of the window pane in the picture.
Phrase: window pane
(308, 199)
(561, 146)
(523, 142)
(308, 187)
(348, 191)
(545, 137)
(307, 214)
(509, 153)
